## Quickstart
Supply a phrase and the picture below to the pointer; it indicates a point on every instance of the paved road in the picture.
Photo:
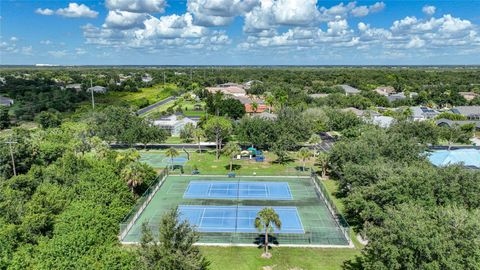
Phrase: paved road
(155, 105)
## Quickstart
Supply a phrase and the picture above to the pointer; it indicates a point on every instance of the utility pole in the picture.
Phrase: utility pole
(164, 78)
(93, 99)
(11, 155)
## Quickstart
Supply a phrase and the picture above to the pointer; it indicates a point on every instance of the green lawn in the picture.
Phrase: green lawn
(208, 164)
(187, 106)
(240, 258)
(151, 95)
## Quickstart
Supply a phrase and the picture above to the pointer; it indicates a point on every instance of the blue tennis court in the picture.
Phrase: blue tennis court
(240, 219)
(238, 189)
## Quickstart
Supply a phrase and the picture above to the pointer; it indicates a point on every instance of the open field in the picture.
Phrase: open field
(208, 164)
(248, 258)
(142, 98)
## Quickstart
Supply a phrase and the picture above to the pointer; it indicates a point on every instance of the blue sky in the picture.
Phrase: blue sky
(239, 32)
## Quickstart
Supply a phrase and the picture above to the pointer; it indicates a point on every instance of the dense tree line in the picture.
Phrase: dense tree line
(412, 213)
(36, 95)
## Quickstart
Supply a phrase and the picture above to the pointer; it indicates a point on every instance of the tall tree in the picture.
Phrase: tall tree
(171, 153)
(187, 133)
(230, 150)
(322, 160)
(135, 174)
(316, 141)
(265, 221)
(304, 154)
(174, 248)
(218, 129)
(198, 133)
(4, 118)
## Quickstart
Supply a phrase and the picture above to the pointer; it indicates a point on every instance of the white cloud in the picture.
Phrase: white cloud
(362, 11)
(429, 10)
(124, 19)
(45, 42)
(45, 11)
(13, 39)
(80, 51)
(140, 6)
(73, 10)
(58, 54)
(218, 12)
(415, 42)
(27, 50)
(270, 14)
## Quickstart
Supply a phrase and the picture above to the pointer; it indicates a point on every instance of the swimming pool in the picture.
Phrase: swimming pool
(468, 157)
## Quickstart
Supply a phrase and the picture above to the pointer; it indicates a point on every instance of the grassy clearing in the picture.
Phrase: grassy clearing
(187, 106)
(144, 96)
(240, 258)
(208, 164)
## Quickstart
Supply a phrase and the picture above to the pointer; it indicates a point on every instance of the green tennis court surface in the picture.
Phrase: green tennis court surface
(158, 160)
(307, 218)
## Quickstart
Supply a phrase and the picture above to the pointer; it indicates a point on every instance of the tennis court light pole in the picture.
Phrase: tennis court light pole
(11, 155)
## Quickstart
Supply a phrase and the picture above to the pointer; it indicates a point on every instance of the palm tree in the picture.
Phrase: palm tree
(265, 220)
(198, 133)
(303, 154)
(269, 100)
(133, 175)
(316, 140)
(171, 153)
(230, 150)
(323, 161)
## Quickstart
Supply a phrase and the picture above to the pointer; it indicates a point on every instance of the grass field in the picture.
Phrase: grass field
(247, 258)
(148, 95)
(208, 164)
(187, 108)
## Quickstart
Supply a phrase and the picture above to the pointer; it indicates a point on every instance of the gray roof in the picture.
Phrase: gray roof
(265, 115)
(6, 101)
(397, 96)
(97, 89)
(349, 90)
(383, 121)
(318, 95)
(423, 112)
(451, 123)
(467, 110)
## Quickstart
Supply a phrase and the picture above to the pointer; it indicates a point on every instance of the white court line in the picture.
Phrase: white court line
(201, 218)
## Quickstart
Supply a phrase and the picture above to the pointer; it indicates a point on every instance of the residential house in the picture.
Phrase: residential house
(420, 113)
(249, 84)
(173, 123)
(356, 111)
(385, 90)
(97, 89)
(318, 95)
(468, 95)
(471, 112)
(5, 101)
(349, 91)
(382, 121)
(147, 78)
(265, 115)
(228, 90)
(451, 123)
(249, 101)
(75, 86)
